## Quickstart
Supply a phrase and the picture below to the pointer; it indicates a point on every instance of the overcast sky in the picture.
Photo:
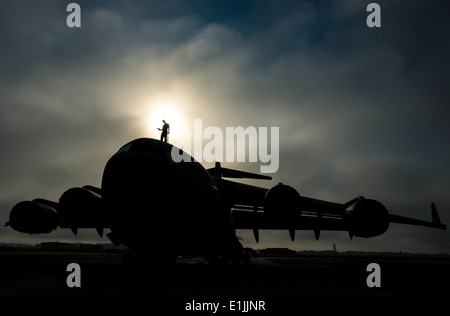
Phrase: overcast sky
(361, 111)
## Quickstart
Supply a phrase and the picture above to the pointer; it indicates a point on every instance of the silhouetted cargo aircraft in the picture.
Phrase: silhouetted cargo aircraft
(152, 204)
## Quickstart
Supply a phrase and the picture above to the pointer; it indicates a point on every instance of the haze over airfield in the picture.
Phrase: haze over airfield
(361, 111)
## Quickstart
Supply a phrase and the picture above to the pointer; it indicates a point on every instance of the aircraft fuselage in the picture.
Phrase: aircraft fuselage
(156, 204)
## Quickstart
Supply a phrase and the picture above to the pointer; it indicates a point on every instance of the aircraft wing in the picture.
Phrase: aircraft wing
(77, 208)
(282, 208)
(435, 220)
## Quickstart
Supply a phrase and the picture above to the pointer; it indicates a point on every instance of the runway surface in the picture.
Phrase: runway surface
(40, 273)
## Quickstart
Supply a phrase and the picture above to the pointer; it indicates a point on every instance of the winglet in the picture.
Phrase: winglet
(434, 215)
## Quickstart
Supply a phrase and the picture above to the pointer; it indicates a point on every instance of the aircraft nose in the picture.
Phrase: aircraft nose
(130, 177)
(141, 202)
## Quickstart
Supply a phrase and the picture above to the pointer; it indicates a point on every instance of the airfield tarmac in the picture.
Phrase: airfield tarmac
(44, 273)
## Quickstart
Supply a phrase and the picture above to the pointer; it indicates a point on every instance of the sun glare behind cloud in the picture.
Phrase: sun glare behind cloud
(169, 111)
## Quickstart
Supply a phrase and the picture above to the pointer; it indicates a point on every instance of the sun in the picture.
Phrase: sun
(169, 112)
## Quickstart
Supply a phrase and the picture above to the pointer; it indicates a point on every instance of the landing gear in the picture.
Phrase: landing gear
(236, 259)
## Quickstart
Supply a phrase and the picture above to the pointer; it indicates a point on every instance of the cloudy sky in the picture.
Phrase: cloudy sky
(361, 111)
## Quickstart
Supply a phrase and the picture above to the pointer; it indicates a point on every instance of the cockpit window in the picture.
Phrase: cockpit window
(147, 146)
(125, 148)
(144, 145)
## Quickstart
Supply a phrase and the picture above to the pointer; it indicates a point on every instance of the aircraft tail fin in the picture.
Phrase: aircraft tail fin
(220, 172)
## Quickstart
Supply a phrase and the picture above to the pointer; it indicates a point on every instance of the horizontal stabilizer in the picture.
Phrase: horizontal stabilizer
(220, 172)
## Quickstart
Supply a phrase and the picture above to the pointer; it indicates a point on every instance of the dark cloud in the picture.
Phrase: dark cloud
(361, 111)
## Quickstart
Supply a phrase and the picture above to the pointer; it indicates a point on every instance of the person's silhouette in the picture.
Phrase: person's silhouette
(165, 131)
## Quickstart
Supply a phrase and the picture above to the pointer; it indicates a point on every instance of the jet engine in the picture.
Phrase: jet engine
(282, 201)
(33, 217)
(81, 207)
(366, 218)
(282, 204)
